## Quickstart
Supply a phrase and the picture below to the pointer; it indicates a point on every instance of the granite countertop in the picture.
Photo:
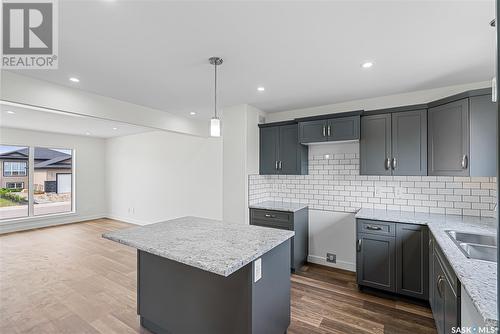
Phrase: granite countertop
(212, 245)
(478, 278)
(279, 206)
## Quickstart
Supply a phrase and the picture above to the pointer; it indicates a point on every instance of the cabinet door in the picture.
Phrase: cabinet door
(375, 144)
(312, 131)
(483, 134)
(438, 297)
(343, 128)
(376, 261)
(412, 260)
(268, 152)
(430, 276)
(288, 153)
(448, 139)
(409, 143)
(451, 311)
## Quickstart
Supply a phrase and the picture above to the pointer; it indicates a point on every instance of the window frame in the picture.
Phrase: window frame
(30, 163)
(15, 183)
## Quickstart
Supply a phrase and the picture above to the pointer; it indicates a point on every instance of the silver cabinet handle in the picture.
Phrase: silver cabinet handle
(358, 247)
(465, 161)
(329, 130)
(280, 165)
(438, 285)
(267, 215)
(387, 163)
(394, 163)
(374, 228)
(324, 130)
(276, 165)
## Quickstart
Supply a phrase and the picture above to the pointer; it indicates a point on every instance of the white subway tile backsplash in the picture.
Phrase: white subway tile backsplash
(334, 184)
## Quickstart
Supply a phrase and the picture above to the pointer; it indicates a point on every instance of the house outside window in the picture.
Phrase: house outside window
(14, 168)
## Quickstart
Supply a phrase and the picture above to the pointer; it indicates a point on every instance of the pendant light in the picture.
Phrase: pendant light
(215, 121)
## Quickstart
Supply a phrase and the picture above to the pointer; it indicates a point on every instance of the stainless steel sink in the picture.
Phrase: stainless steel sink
(480, 252)
(475, 246)
(471, 238)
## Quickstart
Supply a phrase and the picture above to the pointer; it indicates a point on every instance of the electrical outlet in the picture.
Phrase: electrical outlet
(330, 257)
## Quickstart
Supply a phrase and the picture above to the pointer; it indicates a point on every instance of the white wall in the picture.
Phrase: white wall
(160, 175)
(240, 159)
(22, 89)
(389, 101)
(89, 173)
(332, 232)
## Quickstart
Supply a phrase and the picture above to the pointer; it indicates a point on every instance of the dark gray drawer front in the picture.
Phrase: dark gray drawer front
(271, 216)
(376, 227)
(271, 224)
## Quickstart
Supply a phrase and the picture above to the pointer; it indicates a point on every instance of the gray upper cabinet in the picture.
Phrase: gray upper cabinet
(268, 150)
(343, 128)
(375, 145)
(394, 143)
(409, 143)
(448, 140)
(483, 134)
(280, 151)
(313, 131)
(329, 129)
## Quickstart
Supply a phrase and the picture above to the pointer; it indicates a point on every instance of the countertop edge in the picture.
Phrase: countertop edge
(238, 265)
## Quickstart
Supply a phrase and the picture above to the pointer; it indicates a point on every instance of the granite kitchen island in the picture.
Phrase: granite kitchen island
(197, 275)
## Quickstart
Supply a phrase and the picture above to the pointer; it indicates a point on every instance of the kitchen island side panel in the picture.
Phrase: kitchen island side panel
(177, 298)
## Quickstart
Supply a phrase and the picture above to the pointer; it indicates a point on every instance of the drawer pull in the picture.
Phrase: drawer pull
(270, 216)
(374, 228)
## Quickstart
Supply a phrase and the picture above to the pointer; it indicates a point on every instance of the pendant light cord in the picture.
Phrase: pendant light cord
(215, 91)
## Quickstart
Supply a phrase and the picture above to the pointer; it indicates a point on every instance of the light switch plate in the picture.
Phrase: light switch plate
(257, 271)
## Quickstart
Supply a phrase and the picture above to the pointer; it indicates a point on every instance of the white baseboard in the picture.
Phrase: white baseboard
(39, 222)
(349, 266)
(128, 219)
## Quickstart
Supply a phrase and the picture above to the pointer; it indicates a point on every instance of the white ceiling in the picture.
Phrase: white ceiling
(304, 53)
(58, 122)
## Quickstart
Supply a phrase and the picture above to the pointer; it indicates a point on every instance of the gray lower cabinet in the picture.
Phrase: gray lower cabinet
(394, 143)
(297, 221)
(375, 261)
(333, 129)
(393, 257)
(448, 141)
(444, 290)
(280, 151)
(412, 260)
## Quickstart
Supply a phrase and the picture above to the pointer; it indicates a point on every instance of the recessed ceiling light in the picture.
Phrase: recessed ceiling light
(368, 64)
(87, 133)
(10, 112)
(192, 113)
(73, 79)
(261, 89)
(115, 128)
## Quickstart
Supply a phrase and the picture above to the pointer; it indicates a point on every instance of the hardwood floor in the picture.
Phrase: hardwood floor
(67, 279)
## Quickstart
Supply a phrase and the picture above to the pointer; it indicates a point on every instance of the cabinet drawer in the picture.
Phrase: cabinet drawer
(376, 227)
(271, 224)
(271, 216)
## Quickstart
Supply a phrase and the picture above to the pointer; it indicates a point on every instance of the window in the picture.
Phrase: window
(13, 179)
(11, 168)
(14, 185)
(51, 179)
